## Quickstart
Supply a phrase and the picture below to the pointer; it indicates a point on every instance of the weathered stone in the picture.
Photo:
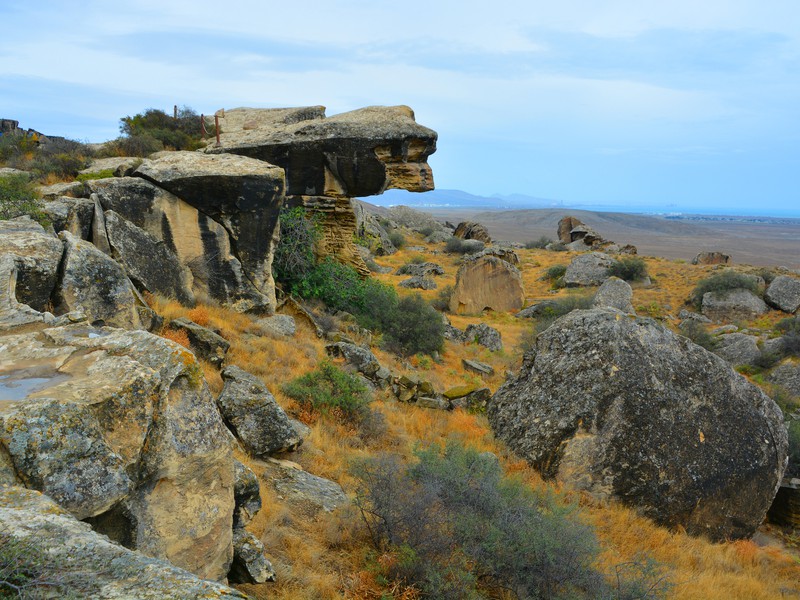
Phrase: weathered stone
(206, 344)
(151, 265)
(425, 269)
(359, 153)
(278, 325)
(487, 283)
(369, 228)
(711, 258)
(565, 227)
(418, 283)
(784, 293)
(253, 415)
(687, 315)
(361, 359)
(468, 230)
(436, 403)
(787, 375)
(119, 166)
(484, 335)
(305, 492)
(732, 305)
(36, 255)
(71, 214)
(477, 367)
(588, 269)
(476, 400)
(200, 243)
(241, 194)
(246, 495)
(82, 563)
(250, 564)
(96, 285)
(12, 313)
(615, 293)
(738, 348)
(538, 310)
(622, 407)
(119, 426)
(75, 189)
(503, 253)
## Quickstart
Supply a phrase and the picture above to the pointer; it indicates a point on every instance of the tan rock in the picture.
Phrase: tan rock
(487, 283)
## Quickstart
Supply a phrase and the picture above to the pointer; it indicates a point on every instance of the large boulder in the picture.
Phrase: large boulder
(622, 407)
(483, 334)
(36, 255)
(200, 243)
(487, 283)
(588, 269)
(253, 415)
(784, 293)
(732, 305)
(711, 258)
(241, 194)
(787, 375)
(120, 429)
(359, 153)
(76, 562)
(425, 269)
(738, 348)
(469, 230)
(615, 293)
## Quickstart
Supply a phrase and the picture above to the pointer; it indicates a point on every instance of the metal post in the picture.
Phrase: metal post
(175, 112)
(216, 125)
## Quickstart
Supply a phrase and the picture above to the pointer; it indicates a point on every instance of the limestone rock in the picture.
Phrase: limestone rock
(82, 563)
(738, 348)
(206, 344)
(119, 166)
(484, 335)
(96, 285)
(241, 194)
(369, 228)
(246, 495)
(487, 283)
(75, 189)
(418, 283)
(36, 256)
(620, 406)
(784, 293)
(615, 293)
(477, 367)
(278, 325)
(71, 214)
(253, 415)
(12, 313)
(503, 253)
(588, 269)
(787, 375)
(537, 310)
(250, 564)
(358, 153)
(425, 269)
(119, 427)
(711, 258)
(305, 492)
(733, 305)
(362, 360)
(468, 230)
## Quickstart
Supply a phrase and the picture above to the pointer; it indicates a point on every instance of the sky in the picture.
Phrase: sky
(681, 103)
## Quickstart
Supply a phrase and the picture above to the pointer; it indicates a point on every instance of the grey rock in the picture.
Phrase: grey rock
(538, 310)
(12, 313)
(361, 359)
(206, 344)
(476, 400)
(724, 329)
(420, 270)
(302, 429)
(419, 283)
(738, 348)
(588, 269)
(304, 491)
(250, 564)
(36, 255)
(83, 563)
(784, 293)
(120, 166)
(686, 315)
(477, 367)
(501, 252)
(438, 237)
(75, 189)
(787, 375)
(615, 293)
(71, 214)
(368, 227)
(484, 335)
(454, 334)
(278, 325)
(711, 258)
(623, 407)
(734, 305)
(253, 415)
(469, 230)
(246, 495)
(437, 403)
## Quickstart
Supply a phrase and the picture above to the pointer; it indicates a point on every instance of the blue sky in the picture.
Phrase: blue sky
(640, 103)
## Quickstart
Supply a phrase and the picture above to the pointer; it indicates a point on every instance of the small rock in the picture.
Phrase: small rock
(420, 283)
(250, 564)
(279, 325)
(246, 495)
(484, 335)
(477, 367)
(711, 258)
(206, 344)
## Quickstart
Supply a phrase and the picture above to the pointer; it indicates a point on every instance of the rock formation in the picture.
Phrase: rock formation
(615, 293)
(711, 258)
(620, 406)
(588, 269)
(576, 235)
(784, 293)
(487, 283)
(468, 230)
(732, 305)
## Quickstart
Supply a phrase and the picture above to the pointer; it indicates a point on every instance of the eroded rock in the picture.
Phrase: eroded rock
(784, 293)
(487, 283)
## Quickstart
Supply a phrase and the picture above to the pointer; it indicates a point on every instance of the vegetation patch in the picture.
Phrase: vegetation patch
(629, 269)
(723, 282)
(18, 197)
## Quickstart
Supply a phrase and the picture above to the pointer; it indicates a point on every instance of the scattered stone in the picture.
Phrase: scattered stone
(436, 403)
(687, 315)
(723, 329)
(733, 305)
(206, 344)
(250, 564)
(615, 293)
(477, 367)
(253, 415)
(476, 400)
(306, 492)
(421, 270)
(362, 360)
(667, 427)
(420, 283)
(487, 283)
(711, 258)
(484, 335)
(784, 293)
(588, 269)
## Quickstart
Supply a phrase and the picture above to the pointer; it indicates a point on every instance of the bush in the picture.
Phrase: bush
(60, 158)
(555, 272)
(330, 389)
(102, 174)
(558, 247)
(628, 269)
(457, 528)
(442, 300)
(413, 327)
(181, 133)
(134, 145)
(723, 282)
(294, 256)
(397, 239)
(698, 334)
(458, 246)
(18, 197)
(540, 244)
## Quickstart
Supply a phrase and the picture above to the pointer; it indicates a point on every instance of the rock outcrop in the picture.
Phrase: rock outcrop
(206, 344)
(483, 334)
(469, 230)
(119, 428)
(784, 293)
(615, 293)
(576, 235)
(711, 258)
(732, 305)
(620, 406)
(487, 283)
(738, 348)
(588, 269)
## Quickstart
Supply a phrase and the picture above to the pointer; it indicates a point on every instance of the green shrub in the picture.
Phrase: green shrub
(427, 230)
(27, 572)
(60, 158)
(628, 269)
(134, 145)
(554, 272)
(698, 334)
(558, 247)
(102, 174)
(18, 197)
(413, 327)
(459, 529)
(723, 282)
(540, 244)
(294, 257)
(442, 300)
(181, 133)
(397, 239)
(458, 246)
(329, 388)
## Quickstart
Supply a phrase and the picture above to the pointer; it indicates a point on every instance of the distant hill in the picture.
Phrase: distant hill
(460, 199)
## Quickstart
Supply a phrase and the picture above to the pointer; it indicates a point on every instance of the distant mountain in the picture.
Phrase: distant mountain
(460, 199)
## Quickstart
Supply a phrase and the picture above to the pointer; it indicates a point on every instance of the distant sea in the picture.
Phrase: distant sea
(784, 213)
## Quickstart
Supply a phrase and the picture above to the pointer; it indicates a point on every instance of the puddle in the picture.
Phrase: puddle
(18, 385)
